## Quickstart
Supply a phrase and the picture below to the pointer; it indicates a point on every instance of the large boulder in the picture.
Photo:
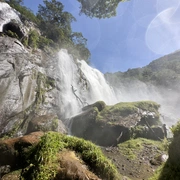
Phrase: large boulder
(53, 156)
(11, 150)
(110, 125)
(48, 122)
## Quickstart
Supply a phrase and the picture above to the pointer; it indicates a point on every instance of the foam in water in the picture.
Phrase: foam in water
(81, 85)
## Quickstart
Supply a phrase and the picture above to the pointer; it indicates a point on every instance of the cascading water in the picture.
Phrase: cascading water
(81, 85)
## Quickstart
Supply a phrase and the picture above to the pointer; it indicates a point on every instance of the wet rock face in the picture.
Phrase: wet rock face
(27, 78)
(27, 90)
(15, 79)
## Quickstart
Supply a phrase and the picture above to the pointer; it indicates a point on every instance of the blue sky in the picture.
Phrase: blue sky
(142, 31)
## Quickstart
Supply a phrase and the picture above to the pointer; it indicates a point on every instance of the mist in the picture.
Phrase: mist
(81, 85)
(136, 90)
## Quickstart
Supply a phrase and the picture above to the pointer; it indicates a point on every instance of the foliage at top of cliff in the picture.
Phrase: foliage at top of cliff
(164, 72)
(99, 8)
(55, 28)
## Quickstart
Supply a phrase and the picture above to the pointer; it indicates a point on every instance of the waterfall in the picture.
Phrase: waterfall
(80, 85)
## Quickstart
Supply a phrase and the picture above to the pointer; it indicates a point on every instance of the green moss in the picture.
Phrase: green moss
(176, 129)
(171, 169)
(147, 106)
(94, 157)
(130, 148)
(25, 41)
(33, 39)
(157, 173)
(12, 34)
(133, 147)
(124, 109)
(15, 128)
(44, 84)
(42, 159)
(166, 172)
(138, 131)
(55, 124)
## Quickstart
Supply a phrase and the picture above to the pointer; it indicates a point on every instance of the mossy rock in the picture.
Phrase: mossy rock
(110, 125)
(155, 133)
(42, 159)
(133, 147)
(100, 105)
(146, 110)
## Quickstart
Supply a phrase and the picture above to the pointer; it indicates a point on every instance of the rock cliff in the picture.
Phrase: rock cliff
(27, 80)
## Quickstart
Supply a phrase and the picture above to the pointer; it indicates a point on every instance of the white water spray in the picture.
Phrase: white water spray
(81, 85)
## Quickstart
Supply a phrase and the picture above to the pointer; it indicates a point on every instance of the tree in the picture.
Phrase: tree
(99, 8)
(14, 2)
(80, 44)
(54, 23)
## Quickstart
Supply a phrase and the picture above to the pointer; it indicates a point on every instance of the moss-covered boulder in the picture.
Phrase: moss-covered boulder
(154, 132)
(110, 125)
(58, 156)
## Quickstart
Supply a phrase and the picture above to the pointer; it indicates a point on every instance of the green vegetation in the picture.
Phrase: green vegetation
(93, 156)
(157, 173)
(25, 12)
(126, 108)
(33, 39)
(166, 172)
(99, 9)
(171, 169)
(55, 27)
(138, 131)
(176, 129)
(163, 72)
(12, 34)
(133, 147)
(42, 159)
